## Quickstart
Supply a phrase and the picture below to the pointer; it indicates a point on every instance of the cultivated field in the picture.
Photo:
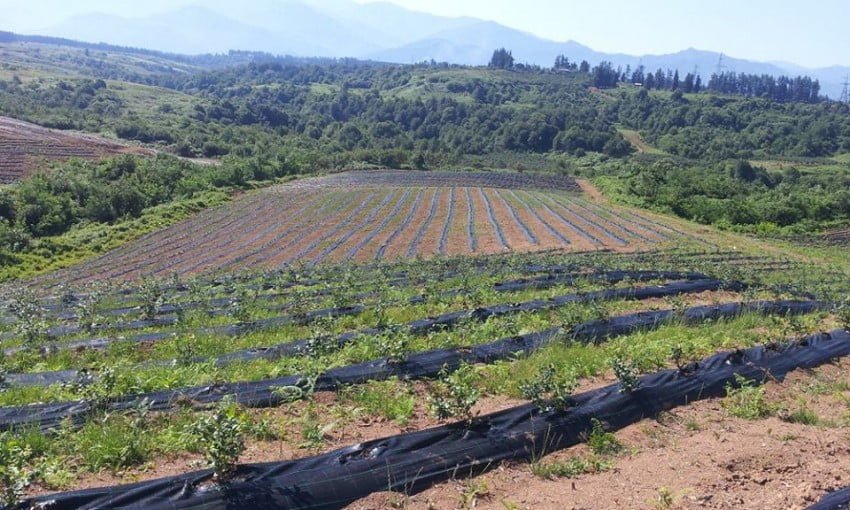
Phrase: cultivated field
(24, 147)
(561, 378)
(374, 216)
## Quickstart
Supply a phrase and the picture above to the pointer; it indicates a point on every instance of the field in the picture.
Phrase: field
(111, 385)
(386, 215)
(25, 147)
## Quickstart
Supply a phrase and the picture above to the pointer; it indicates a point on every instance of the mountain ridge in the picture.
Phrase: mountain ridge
(382, 31)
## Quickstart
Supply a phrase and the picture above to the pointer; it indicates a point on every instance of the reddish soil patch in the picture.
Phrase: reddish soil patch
(24, 147)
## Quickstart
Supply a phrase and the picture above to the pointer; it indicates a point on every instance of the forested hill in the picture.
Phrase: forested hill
(707, 156)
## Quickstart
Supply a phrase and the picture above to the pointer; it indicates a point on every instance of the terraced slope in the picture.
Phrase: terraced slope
(23, 146)
(368, 216)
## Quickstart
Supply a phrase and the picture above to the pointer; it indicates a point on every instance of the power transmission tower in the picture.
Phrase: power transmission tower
(720, 65)
(845, 92)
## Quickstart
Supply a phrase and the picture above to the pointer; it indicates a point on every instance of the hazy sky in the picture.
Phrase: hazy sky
(804, 32)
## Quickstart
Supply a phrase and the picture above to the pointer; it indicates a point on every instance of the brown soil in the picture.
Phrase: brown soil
(545, 238)
(514, 235)
(429, 245)
(368, 252)
(340, 254)
(485, 234)
(458, 240)
(24, 147)
(398, 248)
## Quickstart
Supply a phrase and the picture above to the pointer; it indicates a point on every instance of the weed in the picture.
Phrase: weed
(665, 499)
(314, 432)
(454, 395)
(802, 415)
(842, 312)
(475, 488)
(745, 399)
(570, 468)
(15, 476)
(389, 399)
(602, 442)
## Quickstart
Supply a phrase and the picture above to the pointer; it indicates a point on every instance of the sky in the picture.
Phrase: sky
(809, 33)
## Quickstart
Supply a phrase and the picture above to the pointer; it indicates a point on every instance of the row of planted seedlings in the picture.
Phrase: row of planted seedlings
(114, 380)
(187, 343)
(544, 378)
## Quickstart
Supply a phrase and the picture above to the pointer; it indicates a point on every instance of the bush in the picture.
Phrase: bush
(627, 374)
(454, 395)
(221, 437)
(549, 390)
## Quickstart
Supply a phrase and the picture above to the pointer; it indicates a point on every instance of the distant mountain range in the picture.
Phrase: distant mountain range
(378, 31)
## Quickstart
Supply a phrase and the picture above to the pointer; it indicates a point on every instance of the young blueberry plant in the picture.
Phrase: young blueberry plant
(627, 374)
(221, 437)
(455, 394)
(87, 308)
(549, 390)
(32, 326)
(393, 343)
(842, 313)
(151, 294)
(15, 475)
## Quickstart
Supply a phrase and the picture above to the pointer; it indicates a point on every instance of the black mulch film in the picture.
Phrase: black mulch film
(267, 392)
(414, 461)
(419, 326)
(837, 500)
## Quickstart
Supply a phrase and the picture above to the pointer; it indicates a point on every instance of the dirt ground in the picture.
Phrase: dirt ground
(695, 457)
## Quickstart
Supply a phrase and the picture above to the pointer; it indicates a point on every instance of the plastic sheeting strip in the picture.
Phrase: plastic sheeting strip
(414, 461)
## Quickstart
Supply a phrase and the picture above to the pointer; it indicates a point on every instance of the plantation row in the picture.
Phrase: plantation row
(24, 145)
(413, 178)
(272, 339)
(285, 226)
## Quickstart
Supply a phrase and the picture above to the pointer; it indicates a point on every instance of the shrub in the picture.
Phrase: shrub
(221, 437)
(454, 395)
(32, 326)
(627, 374)
(549, 390)
(151, 295)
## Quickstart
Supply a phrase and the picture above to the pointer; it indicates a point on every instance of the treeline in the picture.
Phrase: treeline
(782, 89)
(359, 108)
(51, 203)
(801, 89)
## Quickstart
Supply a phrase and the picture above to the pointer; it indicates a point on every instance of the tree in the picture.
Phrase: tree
(502, 59)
